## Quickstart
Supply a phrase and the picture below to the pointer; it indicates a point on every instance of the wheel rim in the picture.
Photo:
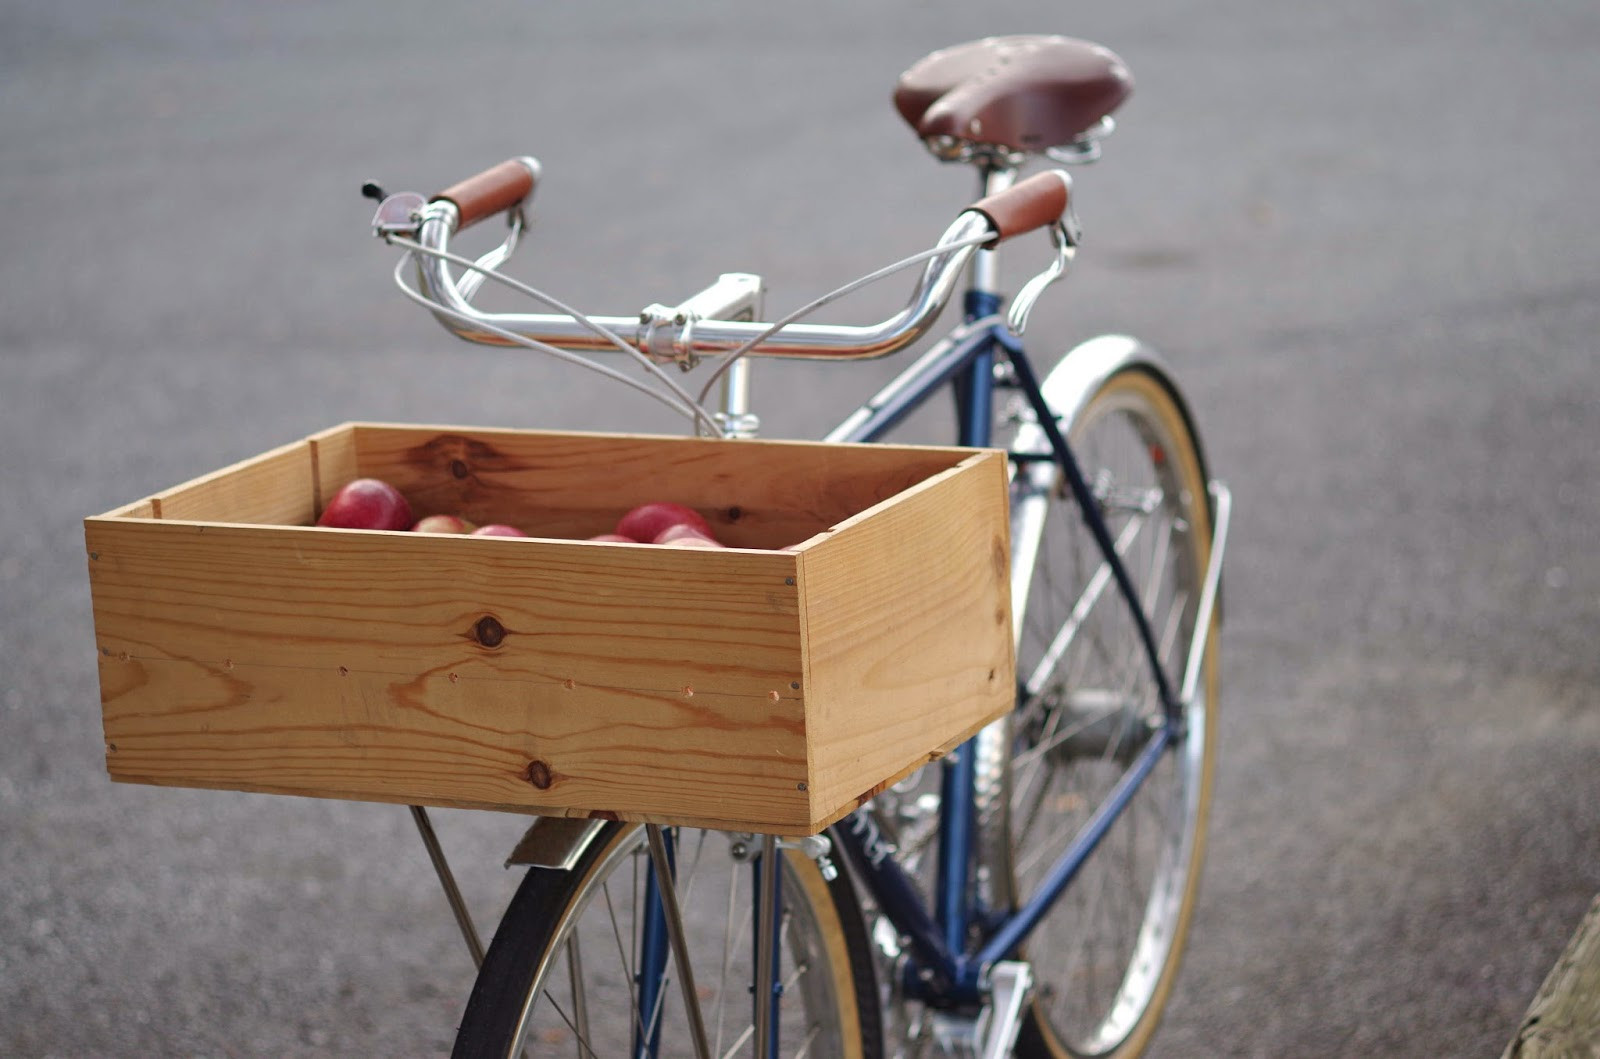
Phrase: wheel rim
(1104, 956)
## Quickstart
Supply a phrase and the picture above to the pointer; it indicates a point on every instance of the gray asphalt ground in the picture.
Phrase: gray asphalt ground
(1364, 232)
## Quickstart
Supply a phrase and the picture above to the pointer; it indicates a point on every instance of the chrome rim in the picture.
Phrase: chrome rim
(1088, 705)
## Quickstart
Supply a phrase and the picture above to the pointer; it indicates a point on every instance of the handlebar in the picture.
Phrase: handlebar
(492, 191)
(1038, 202)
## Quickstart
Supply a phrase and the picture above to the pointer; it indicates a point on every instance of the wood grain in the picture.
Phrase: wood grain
(752, 688)
(755, 494)
(275, 488)
(908, 619)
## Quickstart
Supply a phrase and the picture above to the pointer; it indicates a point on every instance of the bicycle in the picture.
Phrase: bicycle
(965, 909)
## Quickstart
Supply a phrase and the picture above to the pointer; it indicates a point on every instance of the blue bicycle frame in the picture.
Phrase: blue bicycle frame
(940, 970)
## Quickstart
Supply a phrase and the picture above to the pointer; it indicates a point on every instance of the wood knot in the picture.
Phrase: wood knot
(735, 514)
(459, 468)
(488, 631)
(539, 774)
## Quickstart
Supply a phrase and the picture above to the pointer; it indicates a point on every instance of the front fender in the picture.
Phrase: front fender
(1068, 389)
(1076, 378)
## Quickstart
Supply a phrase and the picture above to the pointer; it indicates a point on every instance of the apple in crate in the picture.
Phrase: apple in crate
(684, 534)
(648, 521)
(442, 524)
(367, 503)
(497, 529)
(689, 540)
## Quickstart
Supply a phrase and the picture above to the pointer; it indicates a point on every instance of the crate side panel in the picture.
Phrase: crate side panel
(908, 624)
(470, 742)
(222, 640)
(624, 616)
(145, 508)
(333, 462)
(275, 488)
(755, 494)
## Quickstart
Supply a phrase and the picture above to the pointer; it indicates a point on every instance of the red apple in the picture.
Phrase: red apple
(690, 540)
(614, 538)
(367, 503)
(682, 531)
(442, 524)
(647, 521)
(497, 529)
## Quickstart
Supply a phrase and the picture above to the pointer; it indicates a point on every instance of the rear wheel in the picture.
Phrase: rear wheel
(562, 976)
(1105, 957)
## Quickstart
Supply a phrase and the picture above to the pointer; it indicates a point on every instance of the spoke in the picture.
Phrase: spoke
(580, 996)
(1091, 595)
(733, 1049)
(1039, 850)
(666, 886)
(1174, 625)
(628, 963)
(1161, 548)
(805, 1045)
(585, 1045)
(732, 931)
(1080, 725)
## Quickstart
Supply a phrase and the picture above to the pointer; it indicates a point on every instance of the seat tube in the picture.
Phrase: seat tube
(974, 393)
(974, 388)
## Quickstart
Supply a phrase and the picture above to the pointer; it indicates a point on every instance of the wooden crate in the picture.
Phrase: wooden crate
(754, 688)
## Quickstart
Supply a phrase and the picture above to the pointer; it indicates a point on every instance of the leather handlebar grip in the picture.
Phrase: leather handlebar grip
(491, 191)
(1036, 202)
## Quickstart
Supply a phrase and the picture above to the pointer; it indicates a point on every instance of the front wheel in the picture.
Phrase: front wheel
(565, 973)
(1105, 957)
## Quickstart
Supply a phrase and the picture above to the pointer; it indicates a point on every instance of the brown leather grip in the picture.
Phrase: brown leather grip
(491, 191)
(1033, 203)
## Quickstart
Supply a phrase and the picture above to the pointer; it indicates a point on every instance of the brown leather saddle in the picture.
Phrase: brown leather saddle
(1025, 93)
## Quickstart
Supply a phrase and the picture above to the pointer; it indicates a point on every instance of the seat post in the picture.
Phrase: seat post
(992, 179)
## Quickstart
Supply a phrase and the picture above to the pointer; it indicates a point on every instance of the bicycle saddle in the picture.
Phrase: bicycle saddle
(1024, 93)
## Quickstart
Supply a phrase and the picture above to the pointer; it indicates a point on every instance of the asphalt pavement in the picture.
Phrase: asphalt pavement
(1363, 233)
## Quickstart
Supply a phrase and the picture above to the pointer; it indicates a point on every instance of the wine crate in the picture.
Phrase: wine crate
(858, 626)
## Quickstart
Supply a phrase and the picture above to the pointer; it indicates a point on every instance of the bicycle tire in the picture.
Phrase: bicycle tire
(1105, 958)
(519, 1005)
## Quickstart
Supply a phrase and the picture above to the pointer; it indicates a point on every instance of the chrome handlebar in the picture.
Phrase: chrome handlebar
(683, 334)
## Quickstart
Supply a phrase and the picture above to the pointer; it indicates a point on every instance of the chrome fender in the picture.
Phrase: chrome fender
(1079, 375)
(1067, 389)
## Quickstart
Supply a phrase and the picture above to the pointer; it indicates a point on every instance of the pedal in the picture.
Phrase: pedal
(992, 1033)
(1000, 1021)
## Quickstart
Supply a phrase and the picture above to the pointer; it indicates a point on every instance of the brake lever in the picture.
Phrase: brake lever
(1065, 235)
(495, 258)
(400, 214)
